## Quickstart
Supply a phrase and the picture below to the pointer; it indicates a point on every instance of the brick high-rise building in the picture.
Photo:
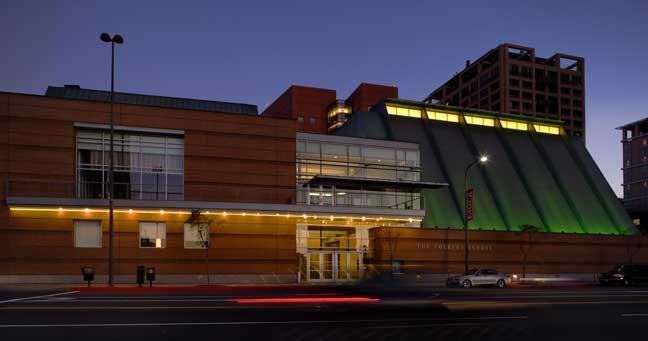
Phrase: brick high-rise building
(510, 78)
(634, 139)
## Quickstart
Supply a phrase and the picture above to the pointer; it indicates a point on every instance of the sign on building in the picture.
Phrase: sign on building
(469, 204)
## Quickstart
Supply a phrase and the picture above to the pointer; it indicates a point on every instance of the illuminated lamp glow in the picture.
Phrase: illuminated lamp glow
(410, 220)
(61, 209)
(86, 210)
(258, 214)
(280, 300)
(224, 213)
(305, 216)
(130, 211)
(331, 218)
(161, 211)
(244, 214)
(363, 218)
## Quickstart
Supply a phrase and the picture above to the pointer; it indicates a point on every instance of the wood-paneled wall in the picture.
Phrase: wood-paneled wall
(228, 157)
(42, 243)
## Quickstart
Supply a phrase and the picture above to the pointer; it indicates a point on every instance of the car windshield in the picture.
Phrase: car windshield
(470, 272)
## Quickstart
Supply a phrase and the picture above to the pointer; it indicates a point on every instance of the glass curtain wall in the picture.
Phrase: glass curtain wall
(146, 167)
(360, 161)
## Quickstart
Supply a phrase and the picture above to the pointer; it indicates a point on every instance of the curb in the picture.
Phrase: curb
(197, 288)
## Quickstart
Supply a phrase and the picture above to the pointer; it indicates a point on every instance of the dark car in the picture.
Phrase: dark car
(625, 275)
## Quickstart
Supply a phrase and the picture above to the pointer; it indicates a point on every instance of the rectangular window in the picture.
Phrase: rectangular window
(87, 233)
(442, 116)
(514, 125)
(152, 234)
(196, 236)
(402, 111)
(545, 129)
(480, 121)
(147, 166)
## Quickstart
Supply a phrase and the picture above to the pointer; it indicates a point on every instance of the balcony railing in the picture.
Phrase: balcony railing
(307, 168)
(367, 199)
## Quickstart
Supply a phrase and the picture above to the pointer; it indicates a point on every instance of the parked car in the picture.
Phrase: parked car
(629, 274)
(479, 277)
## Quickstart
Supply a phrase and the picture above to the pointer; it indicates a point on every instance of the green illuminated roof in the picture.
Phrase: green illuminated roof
(546, 180)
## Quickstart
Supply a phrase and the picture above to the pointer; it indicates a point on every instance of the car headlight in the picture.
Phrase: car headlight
(617, 275)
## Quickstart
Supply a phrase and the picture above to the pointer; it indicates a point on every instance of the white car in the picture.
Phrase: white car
(479, 277)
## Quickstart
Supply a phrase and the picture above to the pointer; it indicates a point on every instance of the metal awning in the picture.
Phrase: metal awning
(370, 183)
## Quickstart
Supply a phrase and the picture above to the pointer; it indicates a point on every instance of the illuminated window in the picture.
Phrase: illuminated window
(442, 116)
(545, 129)
(480, 121)
(152, 235)
(514, 125)
(196, 236)
(87, 233)
(402, 111)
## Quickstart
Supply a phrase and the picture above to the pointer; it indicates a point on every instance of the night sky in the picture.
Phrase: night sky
(250, 52)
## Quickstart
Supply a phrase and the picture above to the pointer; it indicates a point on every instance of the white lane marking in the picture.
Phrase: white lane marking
(35, 297)
(243, 323)
(635, 315)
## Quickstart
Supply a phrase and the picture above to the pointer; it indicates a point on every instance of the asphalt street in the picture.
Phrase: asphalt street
(333, 313)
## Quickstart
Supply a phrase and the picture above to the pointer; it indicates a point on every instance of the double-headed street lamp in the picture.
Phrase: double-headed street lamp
(116, 39)
(468, 199)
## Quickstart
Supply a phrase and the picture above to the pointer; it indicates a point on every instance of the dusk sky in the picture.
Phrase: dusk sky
(250, 52)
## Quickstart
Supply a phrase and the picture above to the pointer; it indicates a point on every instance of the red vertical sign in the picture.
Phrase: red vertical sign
(469, 204)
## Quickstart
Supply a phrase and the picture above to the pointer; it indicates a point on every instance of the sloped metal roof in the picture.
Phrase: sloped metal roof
(550, 181)
(76, 92)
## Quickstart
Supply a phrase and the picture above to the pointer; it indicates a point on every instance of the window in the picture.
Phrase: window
(152, 234)
(442, 116)
(300, 119)
(545, 129)
(312, 120)
(402, 111)
(481, 121)
(147, 166)
(87, 233)
(196, 236)
(514, 125)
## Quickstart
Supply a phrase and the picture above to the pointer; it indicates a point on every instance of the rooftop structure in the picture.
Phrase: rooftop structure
(76, 92)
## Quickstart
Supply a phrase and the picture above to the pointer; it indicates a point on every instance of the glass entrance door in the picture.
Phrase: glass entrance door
(332, 266)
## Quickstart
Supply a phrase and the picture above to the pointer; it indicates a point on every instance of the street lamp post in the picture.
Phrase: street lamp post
(480, 160)
(116, 39)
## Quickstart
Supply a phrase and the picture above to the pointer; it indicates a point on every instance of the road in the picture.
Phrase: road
(334, 313)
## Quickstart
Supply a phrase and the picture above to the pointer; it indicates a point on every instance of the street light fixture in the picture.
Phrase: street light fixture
(116, 39)
(468, 199)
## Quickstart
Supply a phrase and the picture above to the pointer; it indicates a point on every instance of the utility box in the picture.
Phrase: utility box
(88, 274)
(150, 275)
(140, 275)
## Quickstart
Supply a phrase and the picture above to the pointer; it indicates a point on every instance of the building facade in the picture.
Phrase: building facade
(511, 78)
(261, 191)
(211, 190)
(634, 141)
